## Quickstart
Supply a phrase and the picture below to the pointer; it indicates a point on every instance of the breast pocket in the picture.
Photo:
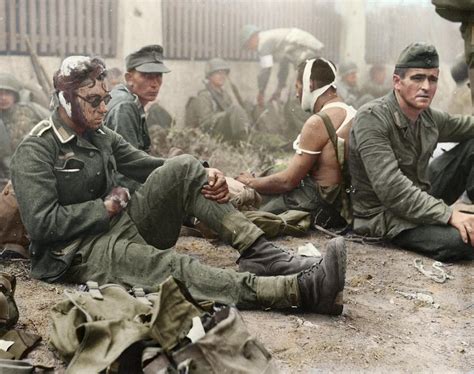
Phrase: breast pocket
(70, 178)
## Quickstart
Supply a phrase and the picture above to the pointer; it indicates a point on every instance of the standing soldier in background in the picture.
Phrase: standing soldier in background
(213, 110)
(285, 45)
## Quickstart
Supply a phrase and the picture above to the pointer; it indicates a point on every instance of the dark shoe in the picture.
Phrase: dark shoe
(8, 309)
(266, 259)
(322, 285)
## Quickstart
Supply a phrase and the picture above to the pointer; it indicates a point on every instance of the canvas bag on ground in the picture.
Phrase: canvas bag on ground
(91, 330)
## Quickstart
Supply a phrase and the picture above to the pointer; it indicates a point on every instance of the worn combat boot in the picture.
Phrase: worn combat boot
(322, 285)
(8, 309)
(264, 258)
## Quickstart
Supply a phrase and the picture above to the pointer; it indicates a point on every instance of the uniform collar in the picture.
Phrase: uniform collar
(64, 133)
(400, 119)
(136, 100)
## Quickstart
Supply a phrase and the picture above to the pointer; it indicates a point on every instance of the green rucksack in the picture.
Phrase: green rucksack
(163, 332)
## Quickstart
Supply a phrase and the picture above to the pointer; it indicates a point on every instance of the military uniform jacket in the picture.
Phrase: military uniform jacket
(285, 45)
(126, 116)
(211, 106)
(60, 180)
(389, 166)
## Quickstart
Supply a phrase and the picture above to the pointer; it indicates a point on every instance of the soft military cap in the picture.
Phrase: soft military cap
(148, 59)
(418, 55)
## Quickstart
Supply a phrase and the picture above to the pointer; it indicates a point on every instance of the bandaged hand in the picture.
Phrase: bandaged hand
(116, 201)
(216, 188)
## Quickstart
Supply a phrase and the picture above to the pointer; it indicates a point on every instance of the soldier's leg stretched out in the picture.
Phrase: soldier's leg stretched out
(174, 190)
(128, 260)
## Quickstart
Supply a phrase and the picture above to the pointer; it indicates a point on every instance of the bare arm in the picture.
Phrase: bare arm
(313, 138)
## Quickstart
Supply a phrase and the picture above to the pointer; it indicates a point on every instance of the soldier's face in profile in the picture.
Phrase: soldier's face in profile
(145, 85)
(7, 99)
(417, 88)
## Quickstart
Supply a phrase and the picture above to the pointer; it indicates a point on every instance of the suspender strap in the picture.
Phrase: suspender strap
(332, 134)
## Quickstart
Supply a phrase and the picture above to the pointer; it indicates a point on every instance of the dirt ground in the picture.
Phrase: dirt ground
(380, 330)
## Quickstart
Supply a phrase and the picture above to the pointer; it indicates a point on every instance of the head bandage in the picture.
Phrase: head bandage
(309, 97)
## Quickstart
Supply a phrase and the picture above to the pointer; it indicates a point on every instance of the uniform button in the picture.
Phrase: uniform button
(91, 154)
(91, 190)
(98, 173)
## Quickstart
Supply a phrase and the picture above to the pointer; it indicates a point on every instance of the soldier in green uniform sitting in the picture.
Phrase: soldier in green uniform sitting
(84, 226)
(396, 194)
(16, 118)
(214, 111)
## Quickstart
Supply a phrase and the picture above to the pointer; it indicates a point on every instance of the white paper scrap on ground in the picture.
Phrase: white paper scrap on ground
(308, 250)
(197, 331)
(5, 344)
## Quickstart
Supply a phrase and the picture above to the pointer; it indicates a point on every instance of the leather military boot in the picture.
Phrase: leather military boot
(8, 309)
(264, 258)
(322, 285)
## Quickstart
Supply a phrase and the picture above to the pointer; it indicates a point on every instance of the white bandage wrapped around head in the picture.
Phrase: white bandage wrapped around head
(309, 97)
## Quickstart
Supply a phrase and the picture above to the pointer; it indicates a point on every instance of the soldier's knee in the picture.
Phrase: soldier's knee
(185, 164)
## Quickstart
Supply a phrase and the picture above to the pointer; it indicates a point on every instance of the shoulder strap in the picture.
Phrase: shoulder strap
(330, 129)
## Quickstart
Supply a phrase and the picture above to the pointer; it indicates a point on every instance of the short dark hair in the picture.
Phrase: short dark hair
(401, 72)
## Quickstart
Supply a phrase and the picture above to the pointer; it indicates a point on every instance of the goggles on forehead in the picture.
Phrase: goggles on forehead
(95, 100)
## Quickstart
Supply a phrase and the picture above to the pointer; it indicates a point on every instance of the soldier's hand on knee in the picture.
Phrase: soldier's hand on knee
(464, 223)
(216, 188)
(116, 200)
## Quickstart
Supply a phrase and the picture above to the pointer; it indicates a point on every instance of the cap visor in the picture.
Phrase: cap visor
(153, 67)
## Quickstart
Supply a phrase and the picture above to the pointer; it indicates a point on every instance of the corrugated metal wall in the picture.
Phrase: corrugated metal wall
(202, 29)
(59, 27)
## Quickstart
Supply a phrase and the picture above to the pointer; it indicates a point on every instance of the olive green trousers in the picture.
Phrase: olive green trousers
(450, 174)
(137, 250)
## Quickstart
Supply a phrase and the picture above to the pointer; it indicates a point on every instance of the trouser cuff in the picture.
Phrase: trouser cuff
(280, 292)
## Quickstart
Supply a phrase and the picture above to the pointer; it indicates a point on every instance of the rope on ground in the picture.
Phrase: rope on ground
(439, 274)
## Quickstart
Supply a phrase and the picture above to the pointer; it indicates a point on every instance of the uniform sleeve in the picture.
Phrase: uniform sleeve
(131, 162)
(207, 117)
(453, 128)
(124, 119)
(396, 192)
(34, 182)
